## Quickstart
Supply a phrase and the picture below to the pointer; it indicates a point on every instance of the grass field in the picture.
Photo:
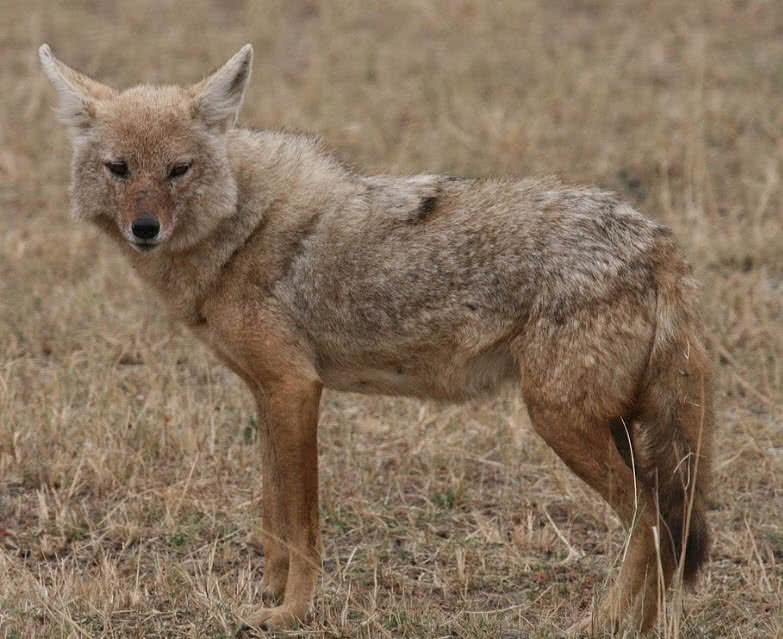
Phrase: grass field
(129, 470)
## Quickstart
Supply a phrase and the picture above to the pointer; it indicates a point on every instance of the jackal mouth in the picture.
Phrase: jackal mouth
(144, 245)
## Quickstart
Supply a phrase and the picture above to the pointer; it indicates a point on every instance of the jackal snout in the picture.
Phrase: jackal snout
(149, 222)
(145, 229)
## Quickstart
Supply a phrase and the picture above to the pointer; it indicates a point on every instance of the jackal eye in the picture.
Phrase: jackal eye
(119, 168)
(179, 169)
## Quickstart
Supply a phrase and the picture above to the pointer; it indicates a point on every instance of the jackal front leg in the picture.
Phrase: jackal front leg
(274, 535)
(288, 417)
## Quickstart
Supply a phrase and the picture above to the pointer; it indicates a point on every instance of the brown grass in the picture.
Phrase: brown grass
(129, 474)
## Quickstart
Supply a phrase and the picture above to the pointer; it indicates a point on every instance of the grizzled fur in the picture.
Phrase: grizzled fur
(301, 274)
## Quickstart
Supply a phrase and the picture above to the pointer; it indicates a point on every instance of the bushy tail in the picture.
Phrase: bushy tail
(671, 430)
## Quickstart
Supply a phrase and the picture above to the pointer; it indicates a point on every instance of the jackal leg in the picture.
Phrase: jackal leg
(586, 445)
(288, 416)
(274, 535)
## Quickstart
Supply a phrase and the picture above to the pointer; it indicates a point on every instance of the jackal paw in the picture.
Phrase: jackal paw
(278, 618)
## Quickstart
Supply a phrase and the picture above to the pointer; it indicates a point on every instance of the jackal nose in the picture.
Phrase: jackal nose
(145, 228)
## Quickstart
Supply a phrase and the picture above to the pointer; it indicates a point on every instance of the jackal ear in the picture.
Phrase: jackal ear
(76, 92)
(218, 97)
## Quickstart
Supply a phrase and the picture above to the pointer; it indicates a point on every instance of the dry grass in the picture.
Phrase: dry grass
(129, 474)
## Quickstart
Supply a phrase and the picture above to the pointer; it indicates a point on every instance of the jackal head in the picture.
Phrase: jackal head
(150, 163)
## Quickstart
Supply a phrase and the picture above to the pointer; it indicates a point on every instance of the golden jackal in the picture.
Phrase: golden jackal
(301, 273)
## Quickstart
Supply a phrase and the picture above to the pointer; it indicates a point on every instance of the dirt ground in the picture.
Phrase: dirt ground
(129, 470)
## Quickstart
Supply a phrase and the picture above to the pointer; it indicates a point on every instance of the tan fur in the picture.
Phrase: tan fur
(301, 274)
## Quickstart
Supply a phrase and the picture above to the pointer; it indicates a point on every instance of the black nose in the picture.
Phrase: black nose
(145, 228)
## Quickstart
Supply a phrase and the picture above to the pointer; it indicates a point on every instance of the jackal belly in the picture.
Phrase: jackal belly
(446, 376)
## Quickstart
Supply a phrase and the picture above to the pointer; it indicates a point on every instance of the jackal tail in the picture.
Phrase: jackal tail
(671, 430)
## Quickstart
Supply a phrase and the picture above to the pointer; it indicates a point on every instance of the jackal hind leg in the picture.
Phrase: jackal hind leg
(588, 448)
